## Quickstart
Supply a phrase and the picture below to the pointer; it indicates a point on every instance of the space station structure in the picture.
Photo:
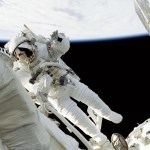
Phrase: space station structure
(142, 8)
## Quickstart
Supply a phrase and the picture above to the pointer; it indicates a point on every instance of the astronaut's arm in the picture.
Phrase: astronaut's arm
(44, 84)
(32, 36)
(42, 88)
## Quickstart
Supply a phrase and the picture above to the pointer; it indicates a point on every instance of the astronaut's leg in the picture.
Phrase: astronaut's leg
(69, 109)
(87, 96)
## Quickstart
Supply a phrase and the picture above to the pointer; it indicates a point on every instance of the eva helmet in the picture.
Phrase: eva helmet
(15, 42)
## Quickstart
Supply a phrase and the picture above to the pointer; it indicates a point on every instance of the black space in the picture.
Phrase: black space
(118, 71)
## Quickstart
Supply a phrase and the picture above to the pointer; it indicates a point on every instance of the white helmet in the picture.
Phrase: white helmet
(20, 41)
(6, 57)
(25, 35)
(15, 42)
(59, 44)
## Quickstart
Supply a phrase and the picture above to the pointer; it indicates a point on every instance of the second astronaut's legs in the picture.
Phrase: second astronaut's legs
(69, 109)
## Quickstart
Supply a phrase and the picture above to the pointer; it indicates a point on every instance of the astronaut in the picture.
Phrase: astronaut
(22, 126)
(56, 81)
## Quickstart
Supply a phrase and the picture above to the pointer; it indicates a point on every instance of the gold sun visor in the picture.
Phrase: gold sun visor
(142, 8)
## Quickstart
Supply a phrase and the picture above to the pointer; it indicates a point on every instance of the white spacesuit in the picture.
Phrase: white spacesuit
(55, 80)
(22, 126)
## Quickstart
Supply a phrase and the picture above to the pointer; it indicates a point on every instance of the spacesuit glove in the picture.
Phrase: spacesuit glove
(36, 98)
(54, 35)
(42, 108)
(38, 101)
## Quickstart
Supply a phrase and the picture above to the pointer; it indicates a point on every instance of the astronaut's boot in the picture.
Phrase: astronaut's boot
(104, 146)
(119, 142)
(101, 142)
(107, 146)
(115, 117)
